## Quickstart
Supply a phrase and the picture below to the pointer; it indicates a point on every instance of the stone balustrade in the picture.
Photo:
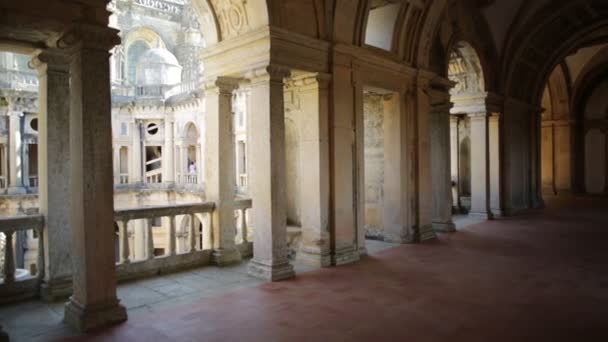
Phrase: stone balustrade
(18, 283)
(196, 251)
(242, 240)
(135, 229)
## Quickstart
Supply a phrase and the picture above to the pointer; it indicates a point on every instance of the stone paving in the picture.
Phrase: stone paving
(38, 321)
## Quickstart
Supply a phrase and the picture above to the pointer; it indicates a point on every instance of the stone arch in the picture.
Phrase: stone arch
(136, 42)
(305, 17)
(465, 68)
(190, 132)
(145, 34)
(533, 50)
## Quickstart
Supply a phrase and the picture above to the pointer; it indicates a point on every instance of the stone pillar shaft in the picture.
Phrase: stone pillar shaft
(15, 154)
(168, 149)
(268, 176)
(220, 184)
(93, 303)
(135, 170)
(424, 190)
(441, 165)
(479, 166)
(53, 170)
(495, 165)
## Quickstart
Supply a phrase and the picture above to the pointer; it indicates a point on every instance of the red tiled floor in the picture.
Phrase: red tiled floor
(539, 277)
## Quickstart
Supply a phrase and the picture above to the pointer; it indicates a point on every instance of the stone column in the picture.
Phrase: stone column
(15, 162)
(479, 166)
(268, 175)
(3, 335)
(93, 303)
(53, 170)
(454, 161)
(424, 189)
(314, 98)
(535, 161)
(441, 169)
(219, 154)
(200, 164)
(495, 165)
(168, 160)
(116, 163)
(135, 171)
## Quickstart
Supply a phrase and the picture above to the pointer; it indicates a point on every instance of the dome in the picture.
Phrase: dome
(157, 67)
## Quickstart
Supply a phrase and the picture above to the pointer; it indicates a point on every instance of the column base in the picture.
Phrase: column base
(444, 227)
(278, 272)
(313, 257)
(497, 213)
(345, 255)
(95, 316)
(226, 256)
(3, 335)
(538, 203)
(56, 289)
(426, 233)
(480, 215)
(17, 190)
(362, 251)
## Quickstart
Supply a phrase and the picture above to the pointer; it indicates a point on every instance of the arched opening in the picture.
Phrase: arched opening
(189, 164)
(470, 132)
(596, 140)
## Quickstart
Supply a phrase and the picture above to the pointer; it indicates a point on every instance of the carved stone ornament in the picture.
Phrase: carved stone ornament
(231, 16)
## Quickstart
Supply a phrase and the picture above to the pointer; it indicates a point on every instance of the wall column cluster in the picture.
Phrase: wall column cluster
(267, 184)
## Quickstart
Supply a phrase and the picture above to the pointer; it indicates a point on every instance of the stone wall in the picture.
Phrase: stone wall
(374, 164)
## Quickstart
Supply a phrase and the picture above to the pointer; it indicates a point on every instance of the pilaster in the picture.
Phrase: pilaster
(93, 303)
(268, 175)
(424, 225)
(220, 173)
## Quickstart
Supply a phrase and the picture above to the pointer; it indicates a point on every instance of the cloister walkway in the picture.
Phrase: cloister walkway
(542, 276)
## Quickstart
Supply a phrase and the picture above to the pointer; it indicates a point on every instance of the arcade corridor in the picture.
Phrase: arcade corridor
(536, 277)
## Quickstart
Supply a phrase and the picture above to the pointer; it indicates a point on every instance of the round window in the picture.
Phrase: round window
(152, 128)
(34, 124)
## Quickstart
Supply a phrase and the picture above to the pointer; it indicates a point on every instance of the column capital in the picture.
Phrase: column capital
(478, 115)
(53, 59)
(269, 73)
(222, 84)
(88, 36)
